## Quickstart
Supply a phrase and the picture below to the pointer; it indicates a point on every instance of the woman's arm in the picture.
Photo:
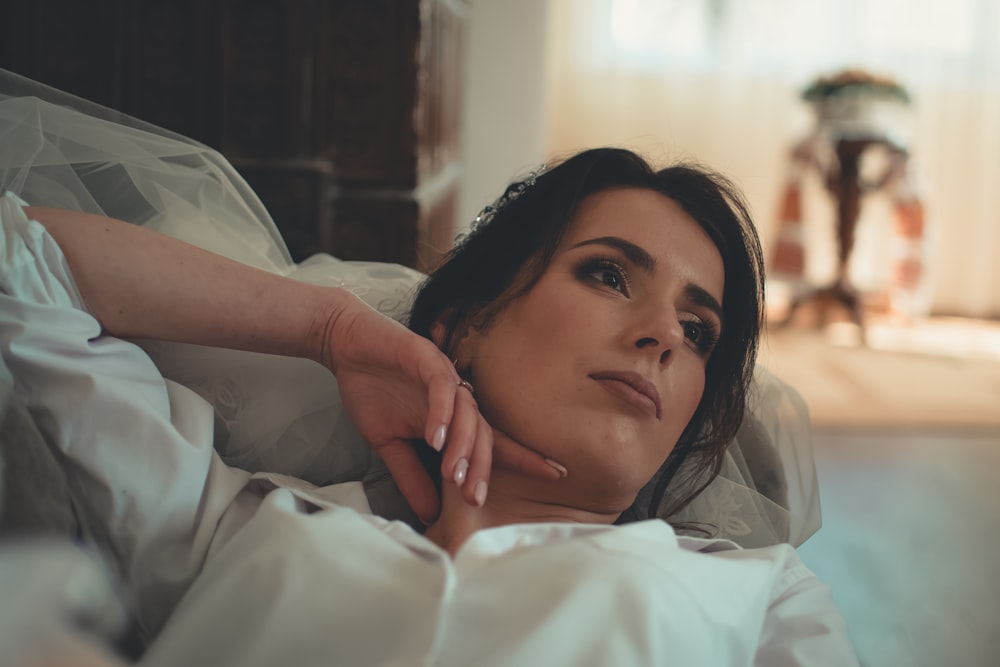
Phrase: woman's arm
(142, 284)
(396, 386)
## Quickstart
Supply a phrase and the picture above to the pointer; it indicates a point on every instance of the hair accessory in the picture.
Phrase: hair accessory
(467, 385)
(513, 191)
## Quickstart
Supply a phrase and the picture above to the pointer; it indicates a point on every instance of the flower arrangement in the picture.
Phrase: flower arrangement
(855, 82)
(855, 104)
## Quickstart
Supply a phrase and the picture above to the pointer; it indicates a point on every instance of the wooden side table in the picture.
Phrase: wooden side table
(845, 183)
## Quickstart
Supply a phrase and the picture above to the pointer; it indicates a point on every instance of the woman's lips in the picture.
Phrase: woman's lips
(632, 388)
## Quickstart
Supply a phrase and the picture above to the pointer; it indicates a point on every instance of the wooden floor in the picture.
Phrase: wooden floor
(910, 543)
(867, 387)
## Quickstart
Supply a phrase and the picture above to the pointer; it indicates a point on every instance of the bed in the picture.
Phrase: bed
(120, 459)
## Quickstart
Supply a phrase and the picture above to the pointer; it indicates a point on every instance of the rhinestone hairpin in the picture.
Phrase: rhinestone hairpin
(513, 191)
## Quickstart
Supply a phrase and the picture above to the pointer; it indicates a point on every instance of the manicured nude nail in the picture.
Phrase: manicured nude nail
(437, 442)
(461, 468)
(559, 468)
(480, 493)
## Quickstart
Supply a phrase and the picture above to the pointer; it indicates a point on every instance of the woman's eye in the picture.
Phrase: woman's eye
(702, 334)
(607, 274)
(692, 330)
(611, 279)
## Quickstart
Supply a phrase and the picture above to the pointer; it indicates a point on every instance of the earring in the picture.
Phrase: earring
(462, 382)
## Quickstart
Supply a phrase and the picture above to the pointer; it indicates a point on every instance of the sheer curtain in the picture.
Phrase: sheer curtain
(719, 81)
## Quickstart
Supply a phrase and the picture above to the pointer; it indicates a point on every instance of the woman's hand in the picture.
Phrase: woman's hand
(397, 387)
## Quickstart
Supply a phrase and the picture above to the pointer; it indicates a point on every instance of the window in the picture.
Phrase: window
(903, 36)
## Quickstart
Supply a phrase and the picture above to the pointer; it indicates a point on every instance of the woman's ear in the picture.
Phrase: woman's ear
(456, 346)
(438, 334)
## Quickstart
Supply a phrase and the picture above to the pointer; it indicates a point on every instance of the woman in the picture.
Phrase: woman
(604, 322)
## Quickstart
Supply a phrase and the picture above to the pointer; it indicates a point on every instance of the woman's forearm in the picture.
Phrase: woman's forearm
(139, 283)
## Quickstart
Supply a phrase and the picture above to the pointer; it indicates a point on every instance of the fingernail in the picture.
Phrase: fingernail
(437, 442)
(480, 493)
(460, 469)
(559, 468)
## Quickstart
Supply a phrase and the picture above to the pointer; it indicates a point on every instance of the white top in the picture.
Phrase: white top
(269, 570)
(296, 586)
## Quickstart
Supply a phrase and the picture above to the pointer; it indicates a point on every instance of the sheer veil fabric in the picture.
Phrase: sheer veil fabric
(284, 415)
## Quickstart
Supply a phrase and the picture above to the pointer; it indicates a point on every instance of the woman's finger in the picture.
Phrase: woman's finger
(412, 479)
(480, 464)
(441, 390)
(513, 456)
(461, 439)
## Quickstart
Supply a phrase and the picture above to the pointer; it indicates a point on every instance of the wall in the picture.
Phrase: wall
(504, 123)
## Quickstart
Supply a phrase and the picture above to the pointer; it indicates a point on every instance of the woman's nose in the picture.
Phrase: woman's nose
(660, 332)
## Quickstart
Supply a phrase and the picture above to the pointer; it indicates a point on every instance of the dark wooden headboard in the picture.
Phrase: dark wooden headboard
(344, 115)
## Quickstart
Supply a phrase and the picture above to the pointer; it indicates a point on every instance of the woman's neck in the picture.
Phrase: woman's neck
(512, 498)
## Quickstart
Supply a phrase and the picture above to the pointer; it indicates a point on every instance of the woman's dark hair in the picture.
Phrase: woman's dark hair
(502, 259)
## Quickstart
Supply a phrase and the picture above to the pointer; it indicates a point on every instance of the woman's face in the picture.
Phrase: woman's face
(601, 365)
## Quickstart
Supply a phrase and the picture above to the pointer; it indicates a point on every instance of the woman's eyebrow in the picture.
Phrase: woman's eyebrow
(634, 253)
(701, 297)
